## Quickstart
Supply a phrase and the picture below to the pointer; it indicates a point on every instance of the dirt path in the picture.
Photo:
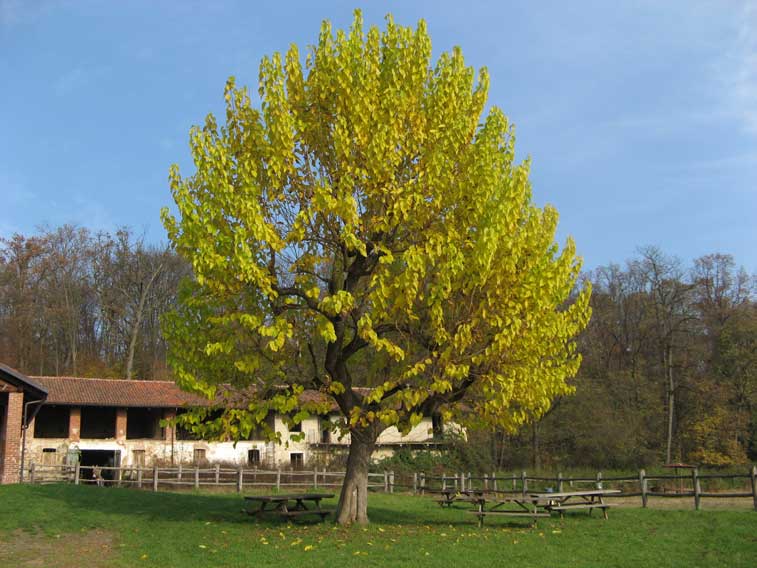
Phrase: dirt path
(93, 549)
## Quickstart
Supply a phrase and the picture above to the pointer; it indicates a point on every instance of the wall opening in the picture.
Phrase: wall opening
(98, 458)
(297, 460)
(253, 457)
(198, 457)
(183, 433)
(52, 422)
(259, 432)
(325, 431)
(143, 424)
(98, 422)
(49, 456)
(138, 458)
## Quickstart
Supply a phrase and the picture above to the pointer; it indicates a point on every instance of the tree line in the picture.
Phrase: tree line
(75, 302)
(669, 372)
(669, 368)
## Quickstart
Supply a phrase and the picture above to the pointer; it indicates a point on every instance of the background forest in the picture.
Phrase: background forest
(669, 367)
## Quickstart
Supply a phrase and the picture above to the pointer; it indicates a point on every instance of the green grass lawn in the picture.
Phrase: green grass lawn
(89, 527)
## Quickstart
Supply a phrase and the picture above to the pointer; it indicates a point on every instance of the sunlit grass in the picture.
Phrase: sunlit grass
(202, 530)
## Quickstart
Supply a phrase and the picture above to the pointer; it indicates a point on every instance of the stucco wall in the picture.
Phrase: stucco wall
(166, 451)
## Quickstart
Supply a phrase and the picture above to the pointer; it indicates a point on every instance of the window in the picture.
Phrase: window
(325, 432)
(437, 426)
(143, 423)
(296, 460)
(138, 458)
(49, 456)
(199, 457)
(98, 422)
(296, 427)
(253, 457)
(51, 422)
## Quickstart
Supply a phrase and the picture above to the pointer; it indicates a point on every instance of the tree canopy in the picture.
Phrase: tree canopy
(366, 225)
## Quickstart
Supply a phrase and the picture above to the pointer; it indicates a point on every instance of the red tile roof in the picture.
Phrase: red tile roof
(77, 391)
(80, 391)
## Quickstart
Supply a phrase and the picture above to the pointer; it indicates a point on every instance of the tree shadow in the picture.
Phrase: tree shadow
(399, 510)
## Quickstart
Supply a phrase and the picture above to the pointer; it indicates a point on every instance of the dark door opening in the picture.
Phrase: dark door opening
(91, 459)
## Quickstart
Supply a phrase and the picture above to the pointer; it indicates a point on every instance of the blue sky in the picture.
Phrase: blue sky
(640, 117)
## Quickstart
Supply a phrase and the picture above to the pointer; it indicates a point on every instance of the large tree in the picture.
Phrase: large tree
(368, 226)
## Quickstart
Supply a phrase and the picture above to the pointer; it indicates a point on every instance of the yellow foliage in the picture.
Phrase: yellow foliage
(370, 205)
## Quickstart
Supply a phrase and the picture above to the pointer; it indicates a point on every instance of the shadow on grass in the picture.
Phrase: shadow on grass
(395, 510)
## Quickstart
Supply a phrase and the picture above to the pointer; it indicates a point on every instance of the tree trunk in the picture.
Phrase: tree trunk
(137, 324)
(353, 500)
(671, 403)
(535, 453)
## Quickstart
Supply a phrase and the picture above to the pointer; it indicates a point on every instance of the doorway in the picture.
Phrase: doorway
(100, 458)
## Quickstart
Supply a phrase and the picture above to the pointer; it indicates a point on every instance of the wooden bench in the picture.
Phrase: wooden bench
(289, 506)
(567, 500)
(511, 514)
(288, 514)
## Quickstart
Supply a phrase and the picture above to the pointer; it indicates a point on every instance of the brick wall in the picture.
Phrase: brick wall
(11, 441)
(74, 424)
(121, 425)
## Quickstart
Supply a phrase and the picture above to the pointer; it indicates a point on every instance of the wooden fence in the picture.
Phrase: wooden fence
(642, 485)
(197, 477)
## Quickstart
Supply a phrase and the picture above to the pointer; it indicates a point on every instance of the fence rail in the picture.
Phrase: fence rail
(642, 485)
(629, 486)
(198, 477)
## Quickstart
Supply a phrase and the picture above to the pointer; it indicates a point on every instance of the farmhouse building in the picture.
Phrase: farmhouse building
(112, 422)
(20, 398)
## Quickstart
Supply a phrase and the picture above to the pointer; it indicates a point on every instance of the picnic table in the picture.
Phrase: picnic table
(569, 500)
(525, 506)
(532, 505)
(288, 506)
(450, 496)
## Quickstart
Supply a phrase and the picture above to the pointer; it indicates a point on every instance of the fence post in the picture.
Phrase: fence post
(515, 483)
(77, 469)
(697, 488)
(598, 484)
(120, 475)
(278, 479)
(31, 473)
(494, 481)
(523, 483)
(444, 481)
(218, 473)
(139, 476)
(643, 487)
(197, 477)
(391, 481)
(155, 478)
(486, 482)
(386, 481)
(315, 477)
(423, 486)
(178, 476)
(559, 481)
(240, 478)
(753, 475)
